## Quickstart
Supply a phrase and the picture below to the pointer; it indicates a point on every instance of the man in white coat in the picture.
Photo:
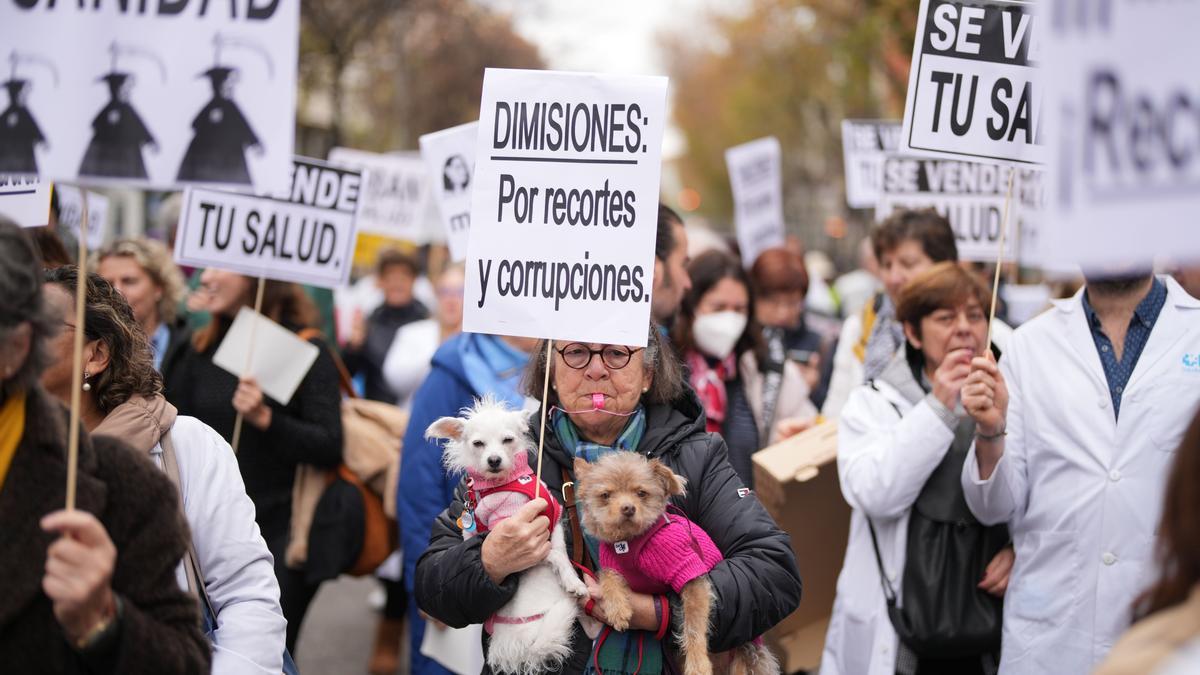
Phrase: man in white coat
(1075, 434)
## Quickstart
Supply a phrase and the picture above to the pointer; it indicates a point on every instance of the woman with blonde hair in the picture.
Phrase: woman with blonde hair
(144, 272)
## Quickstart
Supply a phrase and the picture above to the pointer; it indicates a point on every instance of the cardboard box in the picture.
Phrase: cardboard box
(797, 482)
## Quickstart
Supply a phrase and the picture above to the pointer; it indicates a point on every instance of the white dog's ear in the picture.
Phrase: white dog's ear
(446, 427)
(526, 417)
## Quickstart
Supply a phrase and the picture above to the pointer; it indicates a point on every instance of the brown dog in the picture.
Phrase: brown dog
(647, 550)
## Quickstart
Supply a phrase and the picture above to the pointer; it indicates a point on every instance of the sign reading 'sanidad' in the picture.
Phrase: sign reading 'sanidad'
(158, 93)
(304, 234)
(564, 207)
(973, 91)
(1123, 115)
(449, 157)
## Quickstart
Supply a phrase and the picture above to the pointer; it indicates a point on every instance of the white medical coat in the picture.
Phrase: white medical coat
(1081, 490)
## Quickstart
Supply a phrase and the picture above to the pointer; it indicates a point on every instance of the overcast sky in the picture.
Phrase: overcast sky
(609, 36)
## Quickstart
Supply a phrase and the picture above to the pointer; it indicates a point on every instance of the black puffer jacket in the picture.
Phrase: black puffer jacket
(757, 585)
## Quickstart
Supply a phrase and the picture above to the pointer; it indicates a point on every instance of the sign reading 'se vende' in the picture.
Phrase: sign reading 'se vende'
(974, 91)
(564, 207)
(305, 234)
(969, 194)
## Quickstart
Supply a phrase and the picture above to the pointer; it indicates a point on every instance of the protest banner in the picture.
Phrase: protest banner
(865, 145)
(564, 207)
(973, 91)
(303, 234)
(70, 213)
(25, 200)
(450, 162)
(757, 182)
(1122, 120)
(394, 192)
(151, 94)
(970, 195)
(566, 164)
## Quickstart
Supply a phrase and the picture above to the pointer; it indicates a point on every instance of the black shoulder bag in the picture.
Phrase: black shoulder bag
(942, 614)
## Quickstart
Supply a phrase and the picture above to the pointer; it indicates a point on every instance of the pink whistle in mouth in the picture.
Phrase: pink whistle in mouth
(598, 401)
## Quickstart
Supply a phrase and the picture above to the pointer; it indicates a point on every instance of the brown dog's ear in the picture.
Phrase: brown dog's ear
(581, 469)
(673, 483)
(446, 427)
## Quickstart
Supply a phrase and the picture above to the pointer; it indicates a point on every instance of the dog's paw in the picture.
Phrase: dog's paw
(577, 588)
(619, 612)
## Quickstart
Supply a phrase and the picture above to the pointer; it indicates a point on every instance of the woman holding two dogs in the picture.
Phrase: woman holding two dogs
(605, 399)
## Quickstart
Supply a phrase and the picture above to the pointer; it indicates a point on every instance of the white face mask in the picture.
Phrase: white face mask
(717, 333)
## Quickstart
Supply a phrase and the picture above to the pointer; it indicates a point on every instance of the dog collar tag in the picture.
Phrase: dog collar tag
(621, 547)
(467, 521)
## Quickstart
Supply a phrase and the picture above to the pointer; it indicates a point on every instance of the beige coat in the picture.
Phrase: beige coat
(1151, 642)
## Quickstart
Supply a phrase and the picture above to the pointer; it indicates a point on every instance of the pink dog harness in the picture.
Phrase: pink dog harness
(490, 501)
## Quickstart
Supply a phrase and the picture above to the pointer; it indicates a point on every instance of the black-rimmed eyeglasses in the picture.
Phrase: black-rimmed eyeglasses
(578, 355)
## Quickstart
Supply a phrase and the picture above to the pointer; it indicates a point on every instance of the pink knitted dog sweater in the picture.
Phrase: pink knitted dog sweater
(667, 556)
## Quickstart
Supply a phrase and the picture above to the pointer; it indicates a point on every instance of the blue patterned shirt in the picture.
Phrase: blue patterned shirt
(1117, 372)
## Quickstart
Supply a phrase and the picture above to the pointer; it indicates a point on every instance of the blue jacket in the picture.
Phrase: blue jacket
(424, 489)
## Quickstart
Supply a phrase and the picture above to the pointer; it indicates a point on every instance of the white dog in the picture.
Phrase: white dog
(490, 443)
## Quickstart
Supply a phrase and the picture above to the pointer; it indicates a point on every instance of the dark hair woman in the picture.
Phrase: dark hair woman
(90, 590)
(646, 409)
(729, 364)
(124, 400)
(276, 438)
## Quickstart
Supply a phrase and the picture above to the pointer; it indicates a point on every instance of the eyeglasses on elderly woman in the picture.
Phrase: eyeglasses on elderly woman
(578, 355)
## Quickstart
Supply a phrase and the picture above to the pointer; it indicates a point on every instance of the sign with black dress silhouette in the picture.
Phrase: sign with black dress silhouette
(118, 131)
(153, 95)
(20, 134)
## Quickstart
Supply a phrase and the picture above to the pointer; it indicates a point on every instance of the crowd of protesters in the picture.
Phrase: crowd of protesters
(1019, 498)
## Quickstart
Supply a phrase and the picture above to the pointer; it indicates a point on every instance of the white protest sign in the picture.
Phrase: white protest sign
(70, 213)
(970, 195)
(450, 162)
(865, 145)
(25, 200)
(305, 234)
(564, 209)
(973, 91)
(757, 182)
(393, 197)
(151, 94)
(1122, 115)
(280, 360)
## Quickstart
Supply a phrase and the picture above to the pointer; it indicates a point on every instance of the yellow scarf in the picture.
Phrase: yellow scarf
(12, 427)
